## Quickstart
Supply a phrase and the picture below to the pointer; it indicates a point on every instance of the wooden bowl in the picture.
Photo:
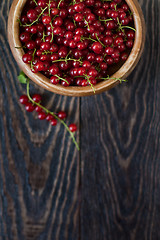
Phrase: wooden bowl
(41, 80)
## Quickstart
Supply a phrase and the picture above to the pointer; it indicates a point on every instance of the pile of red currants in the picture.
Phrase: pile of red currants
(76, 42)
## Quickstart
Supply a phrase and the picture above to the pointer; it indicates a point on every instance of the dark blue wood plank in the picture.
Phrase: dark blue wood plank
(39, 164)
(120, 140)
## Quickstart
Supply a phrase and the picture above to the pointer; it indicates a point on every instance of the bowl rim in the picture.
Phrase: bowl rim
(41, 80)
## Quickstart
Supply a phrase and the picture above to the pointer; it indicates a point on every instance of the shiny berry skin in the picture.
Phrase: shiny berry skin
(118, 41)
(86, 64)
(33, 29)
(73, 127)
(53, 48)
(55, 11)
(54, 70)
(54, 57)
(78, 17)
(41, 115)
(108, 40)
(63, 13)
(125, 21)
(54, 80)
(31, 44)
(24, 37)
(97, 47)
(79, 31)
(62, 115)
(58, 21)
(27, 58)
(37, 98)
(129, 43)
(42, 3)
(38, 109)
(32, 15)
(54, 122)
(109, 50)
(45, 46)
(62, 53)
(124, 56)
(49, 117)
(103, 66)
(67, 82)
(39, 66)
(99, 58)
(24, 19)
(130, 34)
(79, 7)
(29, 107)
(72, 44)
(93, 72)
(115, 54)
(46, 20)
(69, 35)
(24, 99)
(90, 17)
(84, 83)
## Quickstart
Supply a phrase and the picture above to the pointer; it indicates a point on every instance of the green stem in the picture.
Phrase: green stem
(69, 59)
(88, 80)
(43, 38)
(89, 39)
(129, 28)
(28, 25)
(49, 9)
(116, 79)
(54, 115)
(99, 41)
(63, 79)
(87, 24)
(59, 3)
(33, 59)
(105, 20)
(35, 2)
(52, 32)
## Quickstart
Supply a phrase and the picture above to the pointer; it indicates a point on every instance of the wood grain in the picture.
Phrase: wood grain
(120, 137)
(39, 165)
(108, 191)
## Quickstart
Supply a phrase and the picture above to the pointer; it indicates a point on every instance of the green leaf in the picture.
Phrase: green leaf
(22, 78)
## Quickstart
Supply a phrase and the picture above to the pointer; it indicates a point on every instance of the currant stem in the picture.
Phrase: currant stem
(49, 8)
(99, 41)
(129, 28)
(69, 59)
(105, 20)
(63, 79)
(87, 24)
(116, 79)
(35, 2)
(89, 39)
(28, 25)
(88, 80)
(59, 4)
(33, 59)
(54, 115)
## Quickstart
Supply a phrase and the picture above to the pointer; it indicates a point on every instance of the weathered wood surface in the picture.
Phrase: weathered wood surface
(110, 190)
(39, 165)
(121, 152)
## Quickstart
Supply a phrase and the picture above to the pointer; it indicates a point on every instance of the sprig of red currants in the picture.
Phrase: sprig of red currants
(34, 104)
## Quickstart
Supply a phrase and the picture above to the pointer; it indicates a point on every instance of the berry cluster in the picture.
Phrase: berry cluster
(76, 42)
(34, 105)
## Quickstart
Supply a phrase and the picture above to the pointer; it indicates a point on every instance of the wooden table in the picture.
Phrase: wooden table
(110, 189)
